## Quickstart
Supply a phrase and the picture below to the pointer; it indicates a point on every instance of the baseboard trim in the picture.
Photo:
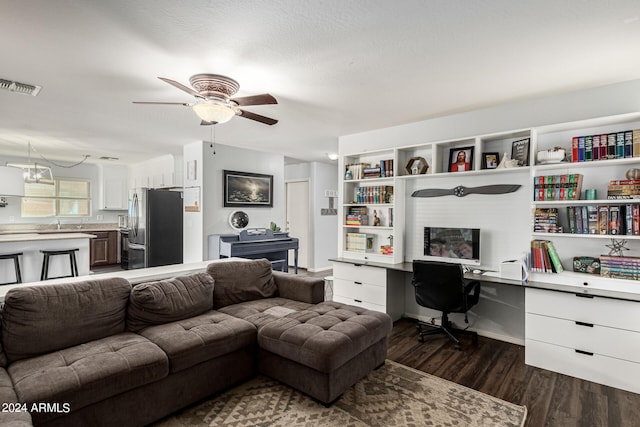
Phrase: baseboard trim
(487, 334)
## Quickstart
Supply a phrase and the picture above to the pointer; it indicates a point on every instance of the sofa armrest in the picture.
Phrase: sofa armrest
(300, 288)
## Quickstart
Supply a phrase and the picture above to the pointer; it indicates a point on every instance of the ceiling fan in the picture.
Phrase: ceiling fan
(213, 103)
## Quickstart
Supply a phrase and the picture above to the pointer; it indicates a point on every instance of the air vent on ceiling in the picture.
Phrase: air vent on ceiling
(24, 88)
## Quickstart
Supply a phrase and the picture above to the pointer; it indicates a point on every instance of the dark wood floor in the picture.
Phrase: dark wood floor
(497, 368)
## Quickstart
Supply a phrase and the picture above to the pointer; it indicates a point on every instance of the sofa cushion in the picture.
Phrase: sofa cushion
(326, 335)
(241, 280)
(90, 372)
(197, 339)
(165, 301)
(10, 415)
(43, 318)
(261, 312)
(3, 357)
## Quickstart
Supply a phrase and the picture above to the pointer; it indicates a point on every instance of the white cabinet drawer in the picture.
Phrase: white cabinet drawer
(588, 337)
(597, 310)
(360, 273)
(359, 303)
(360, 291)
(597, 368)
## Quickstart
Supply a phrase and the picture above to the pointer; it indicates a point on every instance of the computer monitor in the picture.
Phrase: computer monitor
(452, 244)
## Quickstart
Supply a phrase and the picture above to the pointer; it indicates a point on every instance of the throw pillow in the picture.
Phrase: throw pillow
(241, 280)
(166, 301)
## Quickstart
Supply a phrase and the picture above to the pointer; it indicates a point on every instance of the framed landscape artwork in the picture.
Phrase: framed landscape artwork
(244, 189)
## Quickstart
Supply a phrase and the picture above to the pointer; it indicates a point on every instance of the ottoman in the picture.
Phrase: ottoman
(324, 349)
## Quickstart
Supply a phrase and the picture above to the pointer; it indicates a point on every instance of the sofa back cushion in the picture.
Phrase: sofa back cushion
(3, 357)
(170, 300)
(44, 318)
(241, 280)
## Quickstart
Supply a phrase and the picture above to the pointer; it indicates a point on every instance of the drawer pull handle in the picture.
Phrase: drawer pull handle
(586, 353)
(358, 265)
(589, 325)
(358, 283)
(357, 300)
(584, 296)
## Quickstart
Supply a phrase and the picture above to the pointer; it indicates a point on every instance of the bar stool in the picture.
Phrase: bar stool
(16, 264)
(73, 265)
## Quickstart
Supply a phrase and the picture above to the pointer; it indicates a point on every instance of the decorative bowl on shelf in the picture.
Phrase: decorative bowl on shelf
(551, 156)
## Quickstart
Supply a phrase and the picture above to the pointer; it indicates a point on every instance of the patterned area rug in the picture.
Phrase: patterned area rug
(393, 395)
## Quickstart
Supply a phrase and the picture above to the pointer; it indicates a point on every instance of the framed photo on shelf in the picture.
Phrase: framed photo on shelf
(244, 189)
(490, 160)
(520, 151)
(461, 159)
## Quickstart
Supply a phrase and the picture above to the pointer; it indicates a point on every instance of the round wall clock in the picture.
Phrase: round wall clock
(238, 220)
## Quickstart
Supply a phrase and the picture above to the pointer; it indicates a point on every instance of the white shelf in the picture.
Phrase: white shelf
(368, 227)
(581, 202)
(586, 236)
(522, 169)
(591, 164)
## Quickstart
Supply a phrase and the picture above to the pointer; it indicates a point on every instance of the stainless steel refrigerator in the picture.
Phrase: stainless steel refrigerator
(155, 228)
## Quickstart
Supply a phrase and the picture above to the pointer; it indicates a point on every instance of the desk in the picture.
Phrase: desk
(575, 324)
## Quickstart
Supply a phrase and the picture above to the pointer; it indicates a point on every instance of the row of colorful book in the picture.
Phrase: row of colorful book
(544, 257)
(623, 189)
(621, 267)
(546, 220)
(373, 194)
(604, 219)
(614, 145)
(557, 187)
(357, 216)
(384, 169)
(358, 242)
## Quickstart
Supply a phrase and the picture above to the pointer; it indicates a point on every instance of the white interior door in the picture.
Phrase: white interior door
(298, 219)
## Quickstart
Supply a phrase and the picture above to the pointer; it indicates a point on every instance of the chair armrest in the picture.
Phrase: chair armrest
(472, 289)
(300, 288)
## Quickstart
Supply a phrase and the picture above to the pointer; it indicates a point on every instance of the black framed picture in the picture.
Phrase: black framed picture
(244, 189)
(460, 159)
(490, 160)
(520, 151)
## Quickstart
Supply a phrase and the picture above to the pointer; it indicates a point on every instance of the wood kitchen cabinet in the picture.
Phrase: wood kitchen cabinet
(104, 248)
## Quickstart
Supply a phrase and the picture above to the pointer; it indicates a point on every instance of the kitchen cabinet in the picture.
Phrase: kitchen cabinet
(104, 248)
(113, 187)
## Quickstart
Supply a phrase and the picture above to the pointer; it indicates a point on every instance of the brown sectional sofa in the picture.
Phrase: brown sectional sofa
(101, 352)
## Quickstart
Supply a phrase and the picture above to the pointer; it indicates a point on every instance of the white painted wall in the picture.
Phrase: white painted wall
(323, 236)
(214, 217)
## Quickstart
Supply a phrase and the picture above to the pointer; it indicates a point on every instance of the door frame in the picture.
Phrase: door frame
(309, 216)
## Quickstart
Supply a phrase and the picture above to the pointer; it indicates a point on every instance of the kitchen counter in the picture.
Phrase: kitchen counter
(53, 228)
(31, 237)
(31, 245)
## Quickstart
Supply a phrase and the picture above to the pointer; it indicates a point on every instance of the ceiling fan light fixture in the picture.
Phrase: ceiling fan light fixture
(211, 112)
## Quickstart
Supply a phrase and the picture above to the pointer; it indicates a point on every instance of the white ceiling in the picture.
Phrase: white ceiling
(336, 66)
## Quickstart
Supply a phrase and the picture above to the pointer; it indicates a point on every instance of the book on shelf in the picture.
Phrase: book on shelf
(602, 219)
(546, 220)
(357, 242)
(373, 194)
(621, 267)
(614, 145)
(544, 257)
(384, 169)
(557, 187)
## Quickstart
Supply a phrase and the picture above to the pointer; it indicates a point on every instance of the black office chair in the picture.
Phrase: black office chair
(441, 286)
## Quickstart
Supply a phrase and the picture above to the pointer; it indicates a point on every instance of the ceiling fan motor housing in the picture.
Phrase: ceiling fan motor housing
(214, 85)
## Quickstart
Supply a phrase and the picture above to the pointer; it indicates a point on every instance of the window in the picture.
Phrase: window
(67, 197)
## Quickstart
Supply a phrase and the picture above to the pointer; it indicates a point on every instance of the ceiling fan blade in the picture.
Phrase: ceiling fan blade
(432, 192)
(206, 123)
(493, 189)
(186, 104)
(257, 117)
(263, 99)
(182, 87)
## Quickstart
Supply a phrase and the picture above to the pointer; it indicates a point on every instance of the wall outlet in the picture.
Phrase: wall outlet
(100, 217)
